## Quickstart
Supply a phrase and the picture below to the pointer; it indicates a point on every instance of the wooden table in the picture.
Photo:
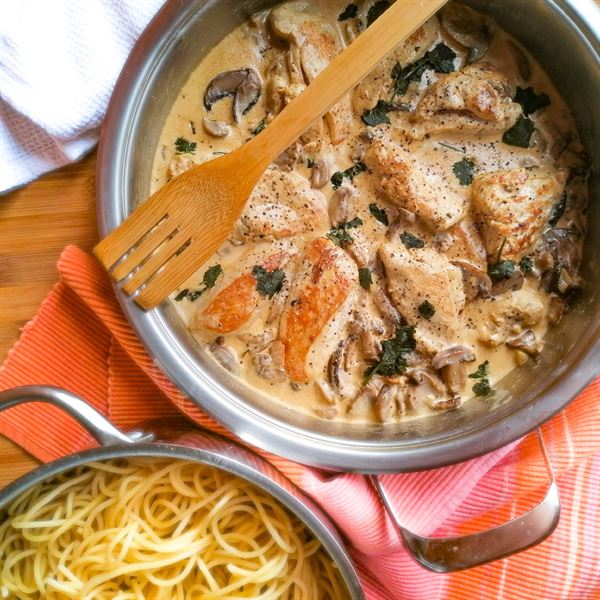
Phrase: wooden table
(36, 223)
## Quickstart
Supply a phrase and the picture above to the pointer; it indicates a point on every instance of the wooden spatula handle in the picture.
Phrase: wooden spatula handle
(398, 22)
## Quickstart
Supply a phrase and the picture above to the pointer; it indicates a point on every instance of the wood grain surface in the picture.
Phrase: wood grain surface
(36, 223)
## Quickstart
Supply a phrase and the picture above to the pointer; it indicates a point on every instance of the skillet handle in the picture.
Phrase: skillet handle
(105, 433)
(446, 555)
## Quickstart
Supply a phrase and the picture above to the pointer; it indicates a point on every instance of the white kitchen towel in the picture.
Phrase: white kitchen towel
(59, 61)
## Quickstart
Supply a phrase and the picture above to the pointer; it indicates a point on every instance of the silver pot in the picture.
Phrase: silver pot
(175, 439)
(565, 36)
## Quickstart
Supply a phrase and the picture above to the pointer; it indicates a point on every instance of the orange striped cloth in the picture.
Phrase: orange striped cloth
(80, 341)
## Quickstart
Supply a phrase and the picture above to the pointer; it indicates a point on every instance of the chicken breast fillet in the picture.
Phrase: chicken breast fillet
(319, 42)
(423, 275)
(514, 207)
(324, 281)
(475, 99)
(282, 204)
(236, 300)
(426, 189)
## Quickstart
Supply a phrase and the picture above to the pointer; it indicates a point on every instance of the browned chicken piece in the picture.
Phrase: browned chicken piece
(323, 284)
(514, 207)
(377, 85)
(235, 301)
(283, 204)
(423, 275)
(510, 315)
(318, 42)
(426, 189)
(474, 99)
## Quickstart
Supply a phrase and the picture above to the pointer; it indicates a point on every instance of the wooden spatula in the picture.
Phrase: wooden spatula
(168, 237)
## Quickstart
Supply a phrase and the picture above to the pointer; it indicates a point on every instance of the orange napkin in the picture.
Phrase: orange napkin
(81, 341)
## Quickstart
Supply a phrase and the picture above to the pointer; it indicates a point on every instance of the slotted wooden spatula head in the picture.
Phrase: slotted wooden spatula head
(176, 230)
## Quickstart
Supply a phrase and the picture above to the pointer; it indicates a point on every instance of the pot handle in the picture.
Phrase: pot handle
(105, 433)
(446, 555)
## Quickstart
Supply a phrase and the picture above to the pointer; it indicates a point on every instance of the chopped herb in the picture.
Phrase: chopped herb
(464, 171)
(211, 275)
(340, 236)
(482, 387)
(338, 177)
(379, 214)
(219, 153)
(262, 125)
(392, 358)
(440, 59)
(530, 101)
(427, 310)
(376, 11)
(183, 146)
(501, 270)
(268, 283)
(208, 281)
(378, 115)
(182, 294)
(526, 265)
(364, 277)
(483, 370)
(349, 12)
(558, 210)
(296, 302)
(411, 241)
(520, 133)
(356, 222)
(461, 150)
(310, 162)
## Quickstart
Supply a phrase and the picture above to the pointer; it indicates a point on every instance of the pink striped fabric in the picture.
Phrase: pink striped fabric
(81, 341)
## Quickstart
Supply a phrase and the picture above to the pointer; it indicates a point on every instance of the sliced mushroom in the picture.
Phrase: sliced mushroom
(267, 368)
(244, 85)
(451, 403)
(566, 257)
(278, 304)
(290, 157)
(225, 355)
(258, 342)
(339, 207)
(385, 306)
(472, 29)
(363, 404)
(340, 380)
(556, 309)
(216, 128)
(326, 391)
(455, 377)
(510, 284)
(385, 403)
(320, 173)
(476, 282)
(452, 356)
(223, 85)
(359, 249)
(247, 95)
(427, 379)
(527, 342)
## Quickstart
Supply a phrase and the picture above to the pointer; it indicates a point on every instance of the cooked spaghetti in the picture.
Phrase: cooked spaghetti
(155, 528)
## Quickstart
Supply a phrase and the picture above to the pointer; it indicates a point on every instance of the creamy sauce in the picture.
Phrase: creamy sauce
(436, 154)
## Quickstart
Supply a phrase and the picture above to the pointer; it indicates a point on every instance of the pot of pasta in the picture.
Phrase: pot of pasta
(179, 513)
